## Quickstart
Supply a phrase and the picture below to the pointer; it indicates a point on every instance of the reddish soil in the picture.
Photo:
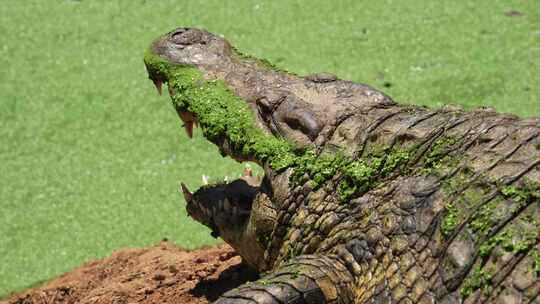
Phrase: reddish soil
(160, 274)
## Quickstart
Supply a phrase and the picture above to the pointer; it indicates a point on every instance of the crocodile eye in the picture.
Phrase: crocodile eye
(296, 120)
(304, 122)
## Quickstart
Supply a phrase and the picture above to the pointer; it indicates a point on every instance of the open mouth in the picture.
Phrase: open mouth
(222, 202)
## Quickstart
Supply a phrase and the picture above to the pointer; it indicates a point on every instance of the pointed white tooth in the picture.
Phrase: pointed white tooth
(188, 119)
(220, 205)
(203, 208)
(247, 170)
(204, 179)
(226, 205)
(158, 84)
(188, 126)
(188, 195)
(226, 179)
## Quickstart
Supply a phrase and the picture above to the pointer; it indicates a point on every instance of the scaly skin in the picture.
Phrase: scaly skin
(363, 200)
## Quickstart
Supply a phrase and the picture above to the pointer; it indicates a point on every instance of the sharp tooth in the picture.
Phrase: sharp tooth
(220, 205)
(226, 205)
(226, 179)
(158, 84)
(189, 120)
(188, 195)
(247, 171)
(204, 209)
(189, 128)
(204, 179)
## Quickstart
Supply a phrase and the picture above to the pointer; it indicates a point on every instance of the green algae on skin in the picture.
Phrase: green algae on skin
(536, 261)
(480, 279)
(319, 168)
(486, 213)
(356, 176)
(437, 157)
(506, 241)
(484, 219)
(361, 175)
(450, 221)
(454, 208)
(529, 191)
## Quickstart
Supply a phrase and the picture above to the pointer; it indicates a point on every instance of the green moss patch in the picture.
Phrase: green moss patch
(479, 279)
(362, 175)
(356, 176)
(536, 261)
(527, 192)
(438, 157)
(510, 240)
(450, 220)
(515, 238)
(485, 218)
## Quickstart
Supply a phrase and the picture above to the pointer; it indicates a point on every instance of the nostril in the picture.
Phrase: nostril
(178, 31)
(186, 36)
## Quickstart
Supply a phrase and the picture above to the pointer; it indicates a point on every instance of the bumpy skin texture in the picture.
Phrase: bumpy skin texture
(456, 219)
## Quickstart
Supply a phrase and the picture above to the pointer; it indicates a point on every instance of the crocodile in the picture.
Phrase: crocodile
(363, 200)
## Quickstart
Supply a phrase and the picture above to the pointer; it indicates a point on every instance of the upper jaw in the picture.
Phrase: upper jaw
(243, 135)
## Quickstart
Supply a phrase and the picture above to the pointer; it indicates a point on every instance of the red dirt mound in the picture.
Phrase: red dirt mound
(160, 274)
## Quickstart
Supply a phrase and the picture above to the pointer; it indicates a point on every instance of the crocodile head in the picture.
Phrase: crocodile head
(214, 87)
(253, 112)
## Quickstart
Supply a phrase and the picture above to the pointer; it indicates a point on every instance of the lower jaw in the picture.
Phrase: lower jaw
(211, 197)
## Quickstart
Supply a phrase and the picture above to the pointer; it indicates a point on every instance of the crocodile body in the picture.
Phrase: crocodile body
(363, 200)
